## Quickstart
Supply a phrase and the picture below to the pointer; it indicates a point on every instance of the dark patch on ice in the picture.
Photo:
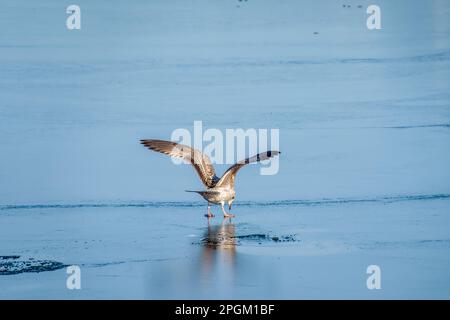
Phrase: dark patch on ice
(221, 239)
(266, 237)
(229, 235)
(14, 265)
(9, 257)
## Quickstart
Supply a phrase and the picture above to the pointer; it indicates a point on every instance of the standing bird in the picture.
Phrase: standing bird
(218, 190)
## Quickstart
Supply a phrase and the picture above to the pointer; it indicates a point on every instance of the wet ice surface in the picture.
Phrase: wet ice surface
(172, 252)
(364, 119)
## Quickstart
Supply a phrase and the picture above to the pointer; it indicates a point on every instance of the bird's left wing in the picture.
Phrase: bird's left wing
(229, 175)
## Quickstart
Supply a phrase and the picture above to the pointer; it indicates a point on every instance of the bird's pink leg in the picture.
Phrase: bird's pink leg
(226, 214)
(209, 214)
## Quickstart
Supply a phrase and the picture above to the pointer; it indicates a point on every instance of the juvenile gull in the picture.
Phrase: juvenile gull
(218, 190)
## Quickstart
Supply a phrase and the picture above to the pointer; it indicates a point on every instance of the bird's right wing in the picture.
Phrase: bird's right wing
(229, 175)
(200, 161)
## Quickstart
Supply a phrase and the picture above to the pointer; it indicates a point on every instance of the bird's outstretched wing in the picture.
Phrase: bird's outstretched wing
(200, 161)
(230, 174)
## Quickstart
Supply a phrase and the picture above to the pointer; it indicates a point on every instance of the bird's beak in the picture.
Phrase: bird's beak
(229, 206)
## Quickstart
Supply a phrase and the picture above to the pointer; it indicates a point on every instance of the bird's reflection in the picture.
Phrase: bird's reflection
(220, 236)
(219, 247)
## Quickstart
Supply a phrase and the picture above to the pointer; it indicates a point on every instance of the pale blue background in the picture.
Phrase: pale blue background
(361, 113)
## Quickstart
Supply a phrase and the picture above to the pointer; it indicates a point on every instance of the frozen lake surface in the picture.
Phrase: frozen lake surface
(275, 251)
(364, 120)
